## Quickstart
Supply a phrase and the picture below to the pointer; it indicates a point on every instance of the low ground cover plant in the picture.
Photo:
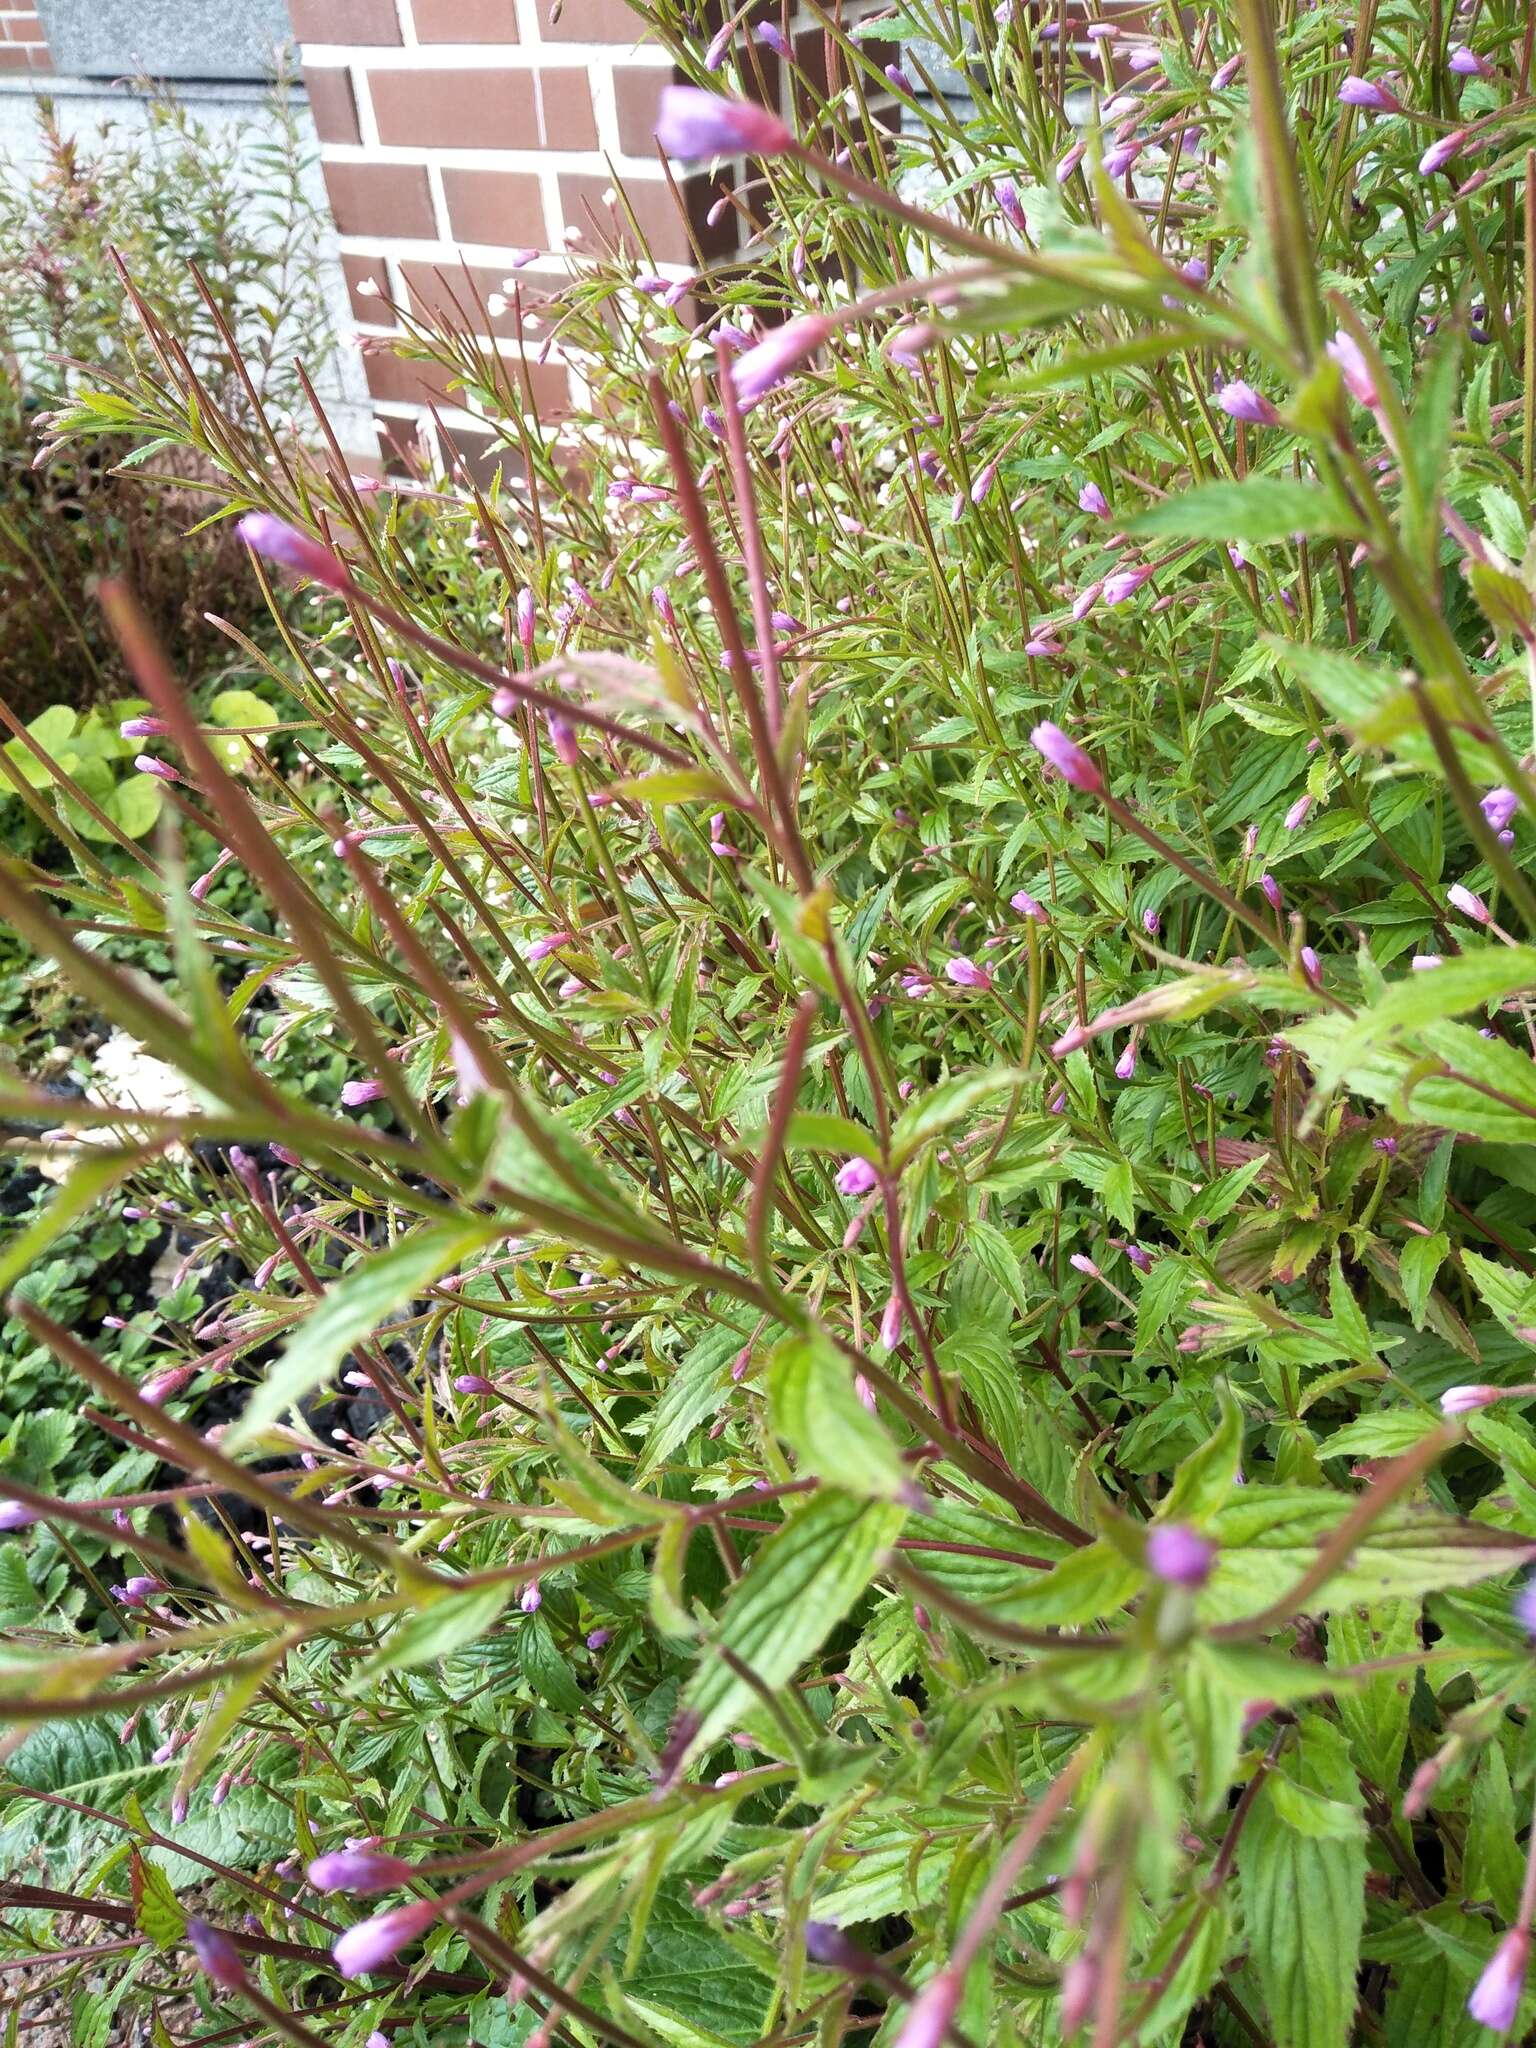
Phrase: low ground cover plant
(892, 1401)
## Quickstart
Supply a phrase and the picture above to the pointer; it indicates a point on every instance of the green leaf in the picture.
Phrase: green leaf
(1204, 1480)
(694, 1390)
(946, 1104)
(814, 1131)
(156, 1912)
(1269, 1537)
(545, 1667)
(1259, 509)
(440, 1629)
(800, 1585)
(1304, 1893)
(813, 1406)
(1511, 1296)
(351, 1311)
(238, 708)
(1417, 1263)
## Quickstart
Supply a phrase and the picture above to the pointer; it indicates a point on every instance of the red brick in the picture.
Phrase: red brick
(441, 291)
(465, 21)
(504, 209)
(636, 93)
(371, 309)
(663, 230)
(565, 102)
(332, 103)
(455, 109)
(383, 200)
(484, 456)
(590, 21)
(12, 57)
(345, 21)
(394, 380)
(28, 30)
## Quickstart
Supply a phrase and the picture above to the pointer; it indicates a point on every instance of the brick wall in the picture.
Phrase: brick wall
(469, 132)
(23, 46)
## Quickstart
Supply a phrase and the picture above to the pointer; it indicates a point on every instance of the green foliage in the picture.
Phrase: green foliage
(805, 1360)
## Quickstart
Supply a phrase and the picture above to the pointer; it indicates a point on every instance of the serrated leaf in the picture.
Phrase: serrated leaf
(156, 1911)
(799, 1585)
(1304, 1895)
(813, 1406)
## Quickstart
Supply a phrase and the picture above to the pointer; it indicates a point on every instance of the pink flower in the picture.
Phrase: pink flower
(965, 973)
(856, 1177)
(1070, 161)
(531, 1598)
(692, 125)
(372, 1942)
(1364, 92)
(909, 344)
(1067, 758)
(142, 729)
(472, 1383)
(1043, 646)
(1179, 1555)
(1272, 892)
(1495, 1999)
(773, 38)
(1026, 906)
(1311, 966)
(550, 943)
(1462, 899)
(1242, 402)
(562, 737)
(1463, 1400)
(779, 352)
(1228, 71)
(1296, 816)
(928, 2017)
(1125, 583)
(359, 1871)
(1424, 963)
(527, 620)
(1086, 599)
(279, 542)
(890, 1324)
(981, 485)
(354, 1094)
(217, 1956)
(1125, 1066)
(1440, 152)
(162, 1385)
(1358, 381)
(1091, 499)
(162, 771)
(15, 1514)
(1467, 64)
(1499, 806)
(1006, 193)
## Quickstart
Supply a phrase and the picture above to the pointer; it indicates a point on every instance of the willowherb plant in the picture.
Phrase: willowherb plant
(894, 1402)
